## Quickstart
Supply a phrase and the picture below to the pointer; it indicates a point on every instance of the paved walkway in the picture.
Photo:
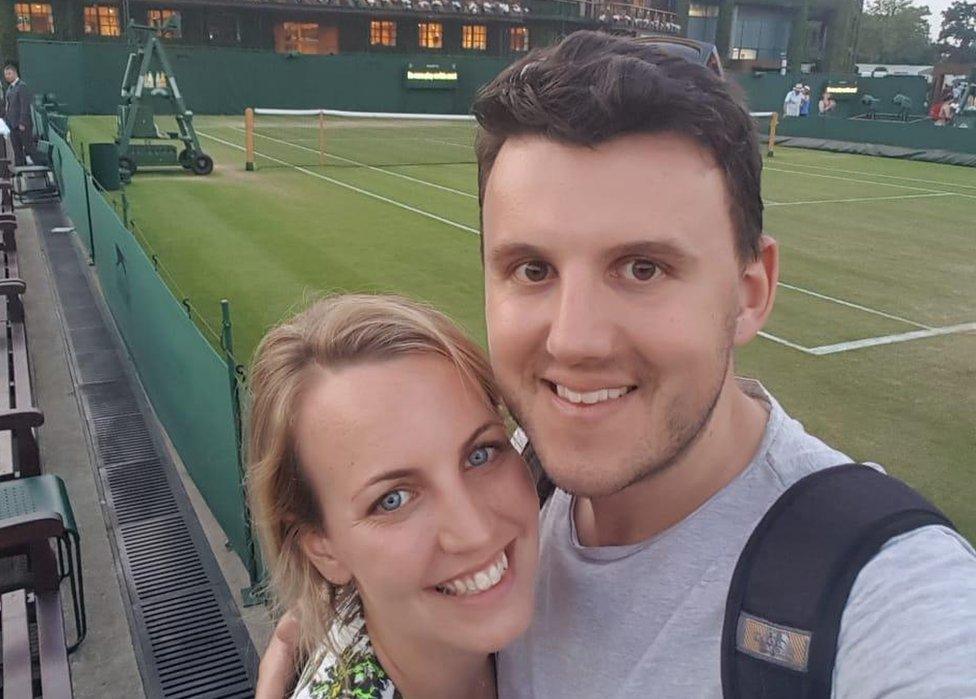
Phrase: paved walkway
(105, 664)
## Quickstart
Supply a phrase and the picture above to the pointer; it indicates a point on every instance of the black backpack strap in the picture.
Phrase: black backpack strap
(544, 487)
(792, 581)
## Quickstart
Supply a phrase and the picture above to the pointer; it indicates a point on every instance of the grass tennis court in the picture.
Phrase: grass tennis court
(872, 343)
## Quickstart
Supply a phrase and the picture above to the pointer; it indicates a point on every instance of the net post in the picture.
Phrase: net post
(321, 138)
(773, 121)
(249, 139)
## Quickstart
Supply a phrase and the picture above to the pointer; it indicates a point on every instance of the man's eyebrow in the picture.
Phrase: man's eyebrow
(668, 248)
(509, 251)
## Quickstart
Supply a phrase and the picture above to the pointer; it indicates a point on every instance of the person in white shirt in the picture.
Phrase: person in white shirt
(794, 98)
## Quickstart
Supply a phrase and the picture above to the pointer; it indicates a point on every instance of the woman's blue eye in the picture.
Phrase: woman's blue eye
(481, 455)
(394, 500)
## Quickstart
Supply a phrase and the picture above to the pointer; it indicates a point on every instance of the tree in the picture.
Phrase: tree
(957, 37)
(895, 31)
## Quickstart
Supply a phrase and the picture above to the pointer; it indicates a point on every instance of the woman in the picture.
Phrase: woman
(827, 104)
(397, 523)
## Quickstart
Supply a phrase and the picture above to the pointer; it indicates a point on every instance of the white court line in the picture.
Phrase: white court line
(370, 167)
(346, 185)
(781, 341)
(850, 304)
(859, 199)
(880, 184)
(890, 177)
(890, 339)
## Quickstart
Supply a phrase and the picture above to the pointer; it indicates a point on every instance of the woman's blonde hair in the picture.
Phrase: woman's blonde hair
(335, 332)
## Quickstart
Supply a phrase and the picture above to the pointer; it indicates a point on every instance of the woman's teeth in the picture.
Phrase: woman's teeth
(477, 583)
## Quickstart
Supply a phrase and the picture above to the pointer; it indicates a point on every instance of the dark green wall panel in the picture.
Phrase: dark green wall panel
(87, 77)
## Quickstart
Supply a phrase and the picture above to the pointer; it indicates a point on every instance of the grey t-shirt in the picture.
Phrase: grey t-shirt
(645, 620)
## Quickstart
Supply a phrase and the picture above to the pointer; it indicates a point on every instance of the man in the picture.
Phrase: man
(17, 112)
(624, 261)
(793, 101)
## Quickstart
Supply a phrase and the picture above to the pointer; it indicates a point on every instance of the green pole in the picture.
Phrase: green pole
(250, 595)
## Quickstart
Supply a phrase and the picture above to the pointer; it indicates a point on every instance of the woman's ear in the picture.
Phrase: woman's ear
(320, 551)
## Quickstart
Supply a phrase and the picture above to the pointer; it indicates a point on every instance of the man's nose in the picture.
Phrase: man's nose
(581, 328)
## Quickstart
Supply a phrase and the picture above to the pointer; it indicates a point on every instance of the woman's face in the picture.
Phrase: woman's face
(428, 508)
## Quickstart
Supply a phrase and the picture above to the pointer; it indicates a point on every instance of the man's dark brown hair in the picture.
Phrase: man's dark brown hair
(592, 87)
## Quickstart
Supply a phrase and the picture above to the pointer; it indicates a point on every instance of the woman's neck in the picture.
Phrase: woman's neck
(431, 671)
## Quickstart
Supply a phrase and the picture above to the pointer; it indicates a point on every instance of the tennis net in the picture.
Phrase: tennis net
(334, 138)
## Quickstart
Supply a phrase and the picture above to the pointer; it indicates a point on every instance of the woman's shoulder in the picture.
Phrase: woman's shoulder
(355, 673)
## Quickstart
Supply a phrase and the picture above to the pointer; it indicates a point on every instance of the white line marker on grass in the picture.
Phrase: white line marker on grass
(781, 341)
(880, 184)
(890, 177)
(340, 183)
(890, 339)
(859, 199)
(370, 167)
(850, 304)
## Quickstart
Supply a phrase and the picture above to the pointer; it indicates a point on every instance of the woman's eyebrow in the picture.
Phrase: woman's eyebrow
(407, 472)
(393, 475)
(469, 442)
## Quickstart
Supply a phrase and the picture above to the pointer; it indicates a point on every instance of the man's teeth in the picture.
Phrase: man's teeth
(478, 582)
(590, 397)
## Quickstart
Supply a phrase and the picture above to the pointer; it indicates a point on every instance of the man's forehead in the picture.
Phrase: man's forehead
(634, 188)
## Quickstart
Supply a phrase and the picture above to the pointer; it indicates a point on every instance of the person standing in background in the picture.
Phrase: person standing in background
(791, 104)
(17, 112)
(805, 103)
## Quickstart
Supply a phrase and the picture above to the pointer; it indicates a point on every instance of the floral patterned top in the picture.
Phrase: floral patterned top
(356, 674)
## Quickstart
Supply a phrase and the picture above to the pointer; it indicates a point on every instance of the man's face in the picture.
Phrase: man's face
(611, 291)
(9, 74)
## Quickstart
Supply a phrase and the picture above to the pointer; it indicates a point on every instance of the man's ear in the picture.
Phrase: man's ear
(757, 291)
(321, 552)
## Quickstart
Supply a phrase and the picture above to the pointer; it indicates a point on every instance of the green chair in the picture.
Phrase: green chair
(32, 512)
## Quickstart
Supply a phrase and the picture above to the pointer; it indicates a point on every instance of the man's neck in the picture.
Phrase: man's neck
(421, 670)
(725, 447)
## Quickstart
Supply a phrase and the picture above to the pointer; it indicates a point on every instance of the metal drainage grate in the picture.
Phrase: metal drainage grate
(188, 635)
(140, 491)
(162, 556)
(109, 399)
(98, 366)
(123, 438)
(196, 655)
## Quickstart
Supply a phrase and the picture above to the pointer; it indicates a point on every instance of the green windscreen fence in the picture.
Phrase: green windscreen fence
(186, 379)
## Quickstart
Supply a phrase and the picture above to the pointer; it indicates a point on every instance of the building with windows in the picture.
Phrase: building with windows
(327, 27)
(758, 34)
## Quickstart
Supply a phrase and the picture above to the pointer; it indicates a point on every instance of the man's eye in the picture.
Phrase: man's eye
(482, 455)
(533, 271)
(393, 500)
(640, 270)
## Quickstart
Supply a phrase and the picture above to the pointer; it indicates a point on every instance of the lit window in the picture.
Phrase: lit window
(698, 10)
(474, 36)
(157, 18)
(382, 33)
(740, 54)
(431, 35)
(518, 39)
(34, 18)
(299, 37)
(102, 20)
